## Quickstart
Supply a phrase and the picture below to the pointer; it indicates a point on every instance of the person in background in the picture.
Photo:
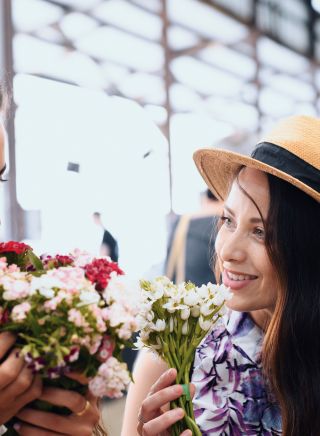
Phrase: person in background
(20, 386)
(191, 243)
(109, 245)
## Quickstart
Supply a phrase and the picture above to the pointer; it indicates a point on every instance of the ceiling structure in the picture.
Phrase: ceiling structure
(242, 64)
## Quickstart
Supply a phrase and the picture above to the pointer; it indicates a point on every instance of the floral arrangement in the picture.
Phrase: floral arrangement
(70, 313)
(173, 320)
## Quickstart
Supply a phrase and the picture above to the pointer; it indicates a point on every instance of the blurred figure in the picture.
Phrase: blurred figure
(191, 243)
(109, 245)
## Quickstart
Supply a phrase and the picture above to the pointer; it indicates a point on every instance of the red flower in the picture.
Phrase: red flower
(57, 261)
(99, 272)
(106, 348)
(4, 316)
(15, 247)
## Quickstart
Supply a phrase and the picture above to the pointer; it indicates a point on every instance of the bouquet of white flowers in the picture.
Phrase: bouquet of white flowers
(173, 320)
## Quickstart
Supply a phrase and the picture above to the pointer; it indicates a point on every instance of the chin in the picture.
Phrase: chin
(238, 305)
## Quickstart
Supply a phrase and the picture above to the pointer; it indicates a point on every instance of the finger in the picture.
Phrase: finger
(75, 402)
(78, 377)
(20, 385)
(154, 402)
(167, 379)
(11, 368)
(31, 394)
(7, 339)
(70, 399)
(186, 433)
(192, 389)
(163, 422)
(46, 421)
(24, 429)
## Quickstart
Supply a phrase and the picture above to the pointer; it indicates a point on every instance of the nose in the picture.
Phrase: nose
(230, 246)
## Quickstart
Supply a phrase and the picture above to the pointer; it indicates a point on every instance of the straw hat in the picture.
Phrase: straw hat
(291, 151)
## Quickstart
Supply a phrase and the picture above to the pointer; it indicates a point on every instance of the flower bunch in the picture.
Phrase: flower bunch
(173, 320)
(70, 313)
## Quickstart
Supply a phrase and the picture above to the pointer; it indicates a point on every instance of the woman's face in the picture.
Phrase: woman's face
(240, 245)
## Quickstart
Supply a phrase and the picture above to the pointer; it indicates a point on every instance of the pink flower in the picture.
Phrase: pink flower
(112, 379)
(76, 317)
(15, 288)
(20, 311)
(3, 263)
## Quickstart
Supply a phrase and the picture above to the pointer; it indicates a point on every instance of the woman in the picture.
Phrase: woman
(19, 386)
(259, 374)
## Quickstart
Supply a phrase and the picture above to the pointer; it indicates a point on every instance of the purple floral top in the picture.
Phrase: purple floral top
(232, 398)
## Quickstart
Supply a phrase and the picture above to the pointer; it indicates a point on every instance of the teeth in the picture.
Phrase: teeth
(238, 277)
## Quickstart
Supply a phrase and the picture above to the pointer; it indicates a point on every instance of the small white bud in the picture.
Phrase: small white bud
(160, 325)
(195, 311)
(205, 325)
(185, 326)
(185, 313)
(171, 324)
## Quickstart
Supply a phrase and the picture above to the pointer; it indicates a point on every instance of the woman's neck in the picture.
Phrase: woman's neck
(261, 317)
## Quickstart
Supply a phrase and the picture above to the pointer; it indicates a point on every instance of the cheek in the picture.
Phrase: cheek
(219, 242)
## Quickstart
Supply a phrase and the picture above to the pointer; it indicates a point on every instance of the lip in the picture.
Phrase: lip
(235, 284)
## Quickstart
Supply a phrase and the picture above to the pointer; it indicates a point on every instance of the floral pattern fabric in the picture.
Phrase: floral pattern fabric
(232, 396)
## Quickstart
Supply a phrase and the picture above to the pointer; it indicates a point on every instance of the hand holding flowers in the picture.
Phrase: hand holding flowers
(173, 320)
(70, 313)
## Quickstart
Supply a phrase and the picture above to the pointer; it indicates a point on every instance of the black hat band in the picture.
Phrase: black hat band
(287, 162)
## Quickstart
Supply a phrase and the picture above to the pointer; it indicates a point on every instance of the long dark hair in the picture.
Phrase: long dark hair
(291, 353)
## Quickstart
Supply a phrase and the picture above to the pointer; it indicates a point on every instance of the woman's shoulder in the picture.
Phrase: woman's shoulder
(237, 333)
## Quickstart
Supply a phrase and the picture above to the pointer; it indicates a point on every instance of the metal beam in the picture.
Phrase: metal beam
(168, 82)
(13, 225)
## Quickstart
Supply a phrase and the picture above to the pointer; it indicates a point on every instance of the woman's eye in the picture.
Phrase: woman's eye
(259, 232)
(226, 220)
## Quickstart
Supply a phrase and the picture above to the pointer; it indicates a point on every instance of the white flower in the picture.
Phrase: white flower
(150, 315)
(203, 292)
(192, 298)
(206, 309)
(159, 326)
(185, 313)
(139, 344)
(88, 297)
(205, 325)
(174, 304)
(44, 285)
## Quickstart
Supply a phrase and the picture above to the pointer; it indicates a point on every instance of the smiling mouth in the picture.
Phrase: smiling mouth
(239, 277)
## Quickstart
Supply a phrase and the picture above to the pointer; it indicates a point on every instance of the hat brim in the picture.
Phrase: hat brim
(218, 168)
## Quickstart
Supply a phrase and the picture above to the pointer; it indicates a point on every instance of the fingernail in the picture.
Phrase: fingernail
(17, 426)
(179, 413)
(171, 371)
(177, 390)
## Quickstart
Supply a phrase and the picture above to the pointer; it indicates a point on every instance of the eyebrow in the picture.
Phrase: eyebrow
(252, 220)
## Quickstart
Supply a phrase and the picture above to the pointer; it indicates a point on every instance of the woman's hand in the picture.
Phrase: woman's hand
(153, 419)
(18, 386)
(81, 422)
